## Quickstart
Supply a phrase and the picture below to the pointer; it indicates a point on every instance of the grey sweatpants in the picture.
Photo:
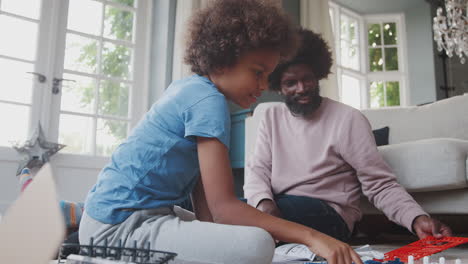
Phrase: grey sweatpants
(176, 230)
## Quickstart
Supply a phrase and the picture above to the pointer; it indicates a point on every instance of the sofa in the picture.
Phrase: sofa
(427, 150)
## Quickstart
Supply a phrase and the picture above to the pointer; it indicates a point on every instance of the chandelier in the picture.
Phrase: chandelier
(451, 29)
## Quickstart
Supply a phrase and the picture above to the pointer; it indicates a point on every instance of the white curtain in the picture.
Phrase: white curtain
(316, 17)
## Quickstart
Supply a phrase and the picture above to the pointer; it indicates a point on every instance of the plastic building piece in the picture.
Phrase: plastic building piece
(458, 261)
(425, 247)
(395, 261)
(376, 261)
(410, 259)
(372, 262)
(426, 260)
(441, 260)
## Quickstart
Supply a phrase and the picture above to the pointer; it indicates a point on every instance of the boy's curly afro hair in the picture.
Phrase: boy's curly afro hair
(224, 30)
(313, 51)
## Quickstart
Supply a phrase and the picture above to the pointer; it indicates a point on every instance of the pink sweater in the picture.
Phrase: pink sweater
(332, 156)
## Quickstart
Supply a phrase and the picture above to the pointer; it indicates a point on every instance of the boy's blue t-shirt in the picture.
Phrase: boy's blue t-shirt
(157, 165)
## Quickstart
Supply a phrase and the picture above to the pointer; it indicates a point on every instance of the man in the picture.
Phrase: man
(314, 156)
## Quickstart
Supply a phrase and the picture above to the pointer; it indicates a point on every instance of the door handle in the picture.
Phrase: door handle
(40, 77)
(56, 84)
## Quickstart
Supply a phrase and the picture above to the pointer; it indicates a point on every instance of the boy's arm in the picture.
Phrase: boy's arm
(200, 206)
(218, 184)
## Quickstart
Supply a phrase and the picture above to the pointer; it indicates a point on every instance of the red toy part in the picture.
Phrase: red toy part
(424, 247)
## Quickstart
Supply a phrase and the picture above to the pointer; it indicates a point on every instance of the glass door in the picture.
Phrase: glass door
(95, 79)
(20, 71)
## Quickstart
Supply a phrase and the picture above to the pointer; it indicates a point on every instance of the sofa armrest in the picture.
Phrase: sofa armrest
(429, 165)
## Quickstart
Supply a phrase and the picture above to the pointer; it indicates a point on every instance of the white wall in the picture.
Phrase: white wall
(421, 68)
(9, 187)
(74, 179)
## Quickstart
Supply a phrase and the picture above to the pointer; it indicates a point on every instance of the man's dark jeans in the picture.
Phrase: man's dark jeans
(313, 213)
(307, 211)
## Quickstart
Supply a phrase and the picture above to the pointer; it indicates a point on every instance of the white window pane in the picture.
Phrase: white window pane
(15, 84)
(344, 51)
(118, 24)
(81, 54)
(18, 38)
(353, 32)
(377, 94)
(78, 96)
(344, 26)
(392, 93)
(116, 61)
(76, 133)
(85, 16)
(350, 91)
(27, 8)
(349, 55)
(109, 134)
(113, 98)
(15, 120)
(353, 55)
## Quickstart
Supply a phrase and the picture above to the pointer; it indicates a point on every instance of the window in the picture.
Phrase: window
(349, 41)
(369, 52)
(88, 60)
(383, 51)
(384, 94)
(347, 29)
(386, 75)
(19, 28)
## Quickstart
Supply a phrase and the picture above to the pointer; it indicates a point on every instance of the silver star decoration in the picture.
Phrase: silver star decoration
(36, 151)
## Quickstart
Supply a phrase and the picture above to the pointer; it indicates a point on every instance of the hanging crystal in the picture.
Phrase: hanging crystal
(451, 29)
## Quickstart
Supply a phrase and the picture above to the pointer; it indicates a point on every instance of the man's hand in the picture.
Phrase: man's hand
(269, 207)
(425, 226)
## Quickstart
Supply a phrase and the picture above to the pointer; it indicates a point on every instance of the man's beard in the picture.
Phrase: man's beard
(306, 109)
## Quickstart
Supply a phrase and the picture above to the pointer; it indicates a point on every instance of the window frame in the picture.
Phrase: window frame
(361, 73)
(49, 62)
(364, 75)
(402, 74)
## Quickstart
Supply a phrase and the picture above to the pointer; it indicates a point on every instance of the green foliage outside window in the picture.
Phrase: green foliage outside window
(393, 93)
(374, 35)
(115, 62)
(377, 94)
(390, 34)
(375, 59)
(391, 59)
(382, 53)
(384, 94)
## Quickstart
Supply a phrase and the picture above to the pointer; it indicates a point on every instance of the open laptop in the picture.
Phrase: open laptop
(33, 228)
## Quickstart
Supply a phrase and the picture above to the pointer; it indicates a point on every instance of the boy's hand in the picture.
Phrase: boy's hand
(334, 251)
(269, 207)
(425, 226)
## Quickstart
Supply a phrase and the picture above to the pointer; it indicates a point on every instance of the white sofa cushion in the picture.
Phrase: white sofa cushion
(442, 119)
(429, 165)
